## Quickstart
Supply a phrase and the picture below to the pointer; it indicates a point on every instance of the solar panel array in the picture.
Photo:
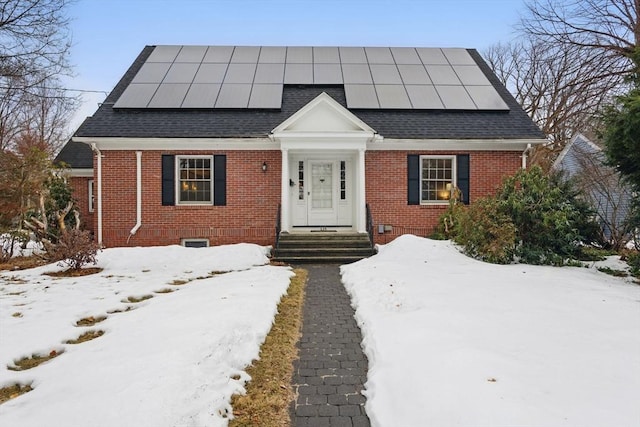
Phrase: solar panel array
(253, 77)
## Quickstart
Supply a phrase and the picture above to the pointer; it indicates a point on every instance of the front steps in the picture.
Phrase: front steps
(322, 247)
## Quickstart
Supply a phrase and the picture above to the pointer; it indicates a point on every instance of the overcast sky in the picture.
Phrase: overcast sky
(109, 34)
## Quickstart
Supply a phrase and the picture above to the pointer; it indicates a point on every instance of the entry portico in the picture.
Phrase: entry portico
(323, 167)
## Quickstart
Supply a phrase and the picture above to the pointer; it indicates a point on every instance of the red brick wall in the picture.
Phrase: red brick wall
(80, 187)
(253, 197)
(249, 215)
(386, 188)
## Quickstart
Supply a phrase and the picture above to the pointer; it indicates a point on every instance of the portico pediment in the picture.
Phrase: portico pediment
(323, 116)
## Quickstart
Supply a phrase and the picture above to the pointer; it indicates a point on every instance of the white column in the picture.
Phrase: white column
(285, 208)
(361, 199)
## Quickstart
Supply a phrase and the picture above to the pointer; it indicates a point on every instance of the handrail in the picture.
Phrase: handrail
(369, 224)
(278, 227)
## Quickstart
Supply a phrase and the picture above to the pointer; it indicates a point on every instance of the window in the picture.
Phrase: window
(343, 180)
(195, 180)
(91, 197)
(300, 180)
(195, 243)
(437, 178)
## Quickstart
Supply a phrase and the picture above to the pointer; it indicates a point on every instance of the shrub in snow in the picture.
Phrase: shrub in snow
(535, 218)
(74, 248)
(486, 233)
(11, 242)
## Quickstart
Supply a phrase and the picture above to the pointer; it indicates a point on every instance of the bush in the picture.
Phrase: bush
(633, 259)
(74, 248)
(8, 242)
(448, 220)
(534, 218)
(485, 233)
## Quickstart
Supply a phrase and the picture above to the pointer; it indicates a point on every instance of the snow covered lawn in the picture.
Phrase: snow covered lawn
(456, 342)
(172, 360)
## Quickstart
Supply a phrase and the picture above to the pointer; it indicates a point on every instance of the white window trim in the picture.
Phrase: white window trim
(454, 177)
(184, 242)
(177, 180)
(91, 199)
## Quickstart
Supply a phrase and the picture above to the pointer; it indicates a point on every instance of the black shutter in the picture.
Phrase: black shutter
(220, 180)
(462, 162)
(168, 180)
(413, 179)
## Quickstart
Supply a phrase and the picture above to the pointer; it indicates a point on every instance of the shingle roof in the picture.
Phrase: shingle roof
(445, 124)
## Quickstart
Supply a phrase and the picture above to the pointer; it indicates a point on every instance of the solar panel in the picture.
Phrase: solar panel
(424, 97)
(455, 98)
(486, 98)
(245, 55)
(405, 55)
(266, 96)
(326, 55)
(181, 73)
(385, 74)
(299, 55)
(253, 77)
(471, 75)
(301, 74)
(356, 73)
(379, 55)
(414, 74)
(442, 75)
(327, 74)
(431, 56)
(164, 54)
(352, 55)
(392, 96)
(240, 73)
(361, 96)
(152, 72)
(272, 54)
(136, 95)
(233, 96)
(191, 54)
(269, 73)
(169, 95)
(201, 96)
(210, 73)
(458, 56)
(218, 54)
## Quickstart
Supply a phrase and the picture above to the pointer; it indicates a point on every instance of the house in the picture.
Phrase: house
(222, 144)
(583, 161)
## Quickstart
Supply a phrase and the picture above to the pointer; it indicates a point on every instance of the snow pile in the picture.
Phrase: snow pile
(456, 342)
(172, 360)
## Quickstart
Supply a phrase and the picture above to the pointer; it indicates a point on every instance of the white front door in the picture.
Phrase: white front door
(321, 192)
(321, 195)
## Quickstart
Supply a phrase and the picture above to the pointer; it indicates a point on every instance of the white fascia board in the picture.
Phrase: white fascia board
(390, 144)
(181, 144)
(337, 136)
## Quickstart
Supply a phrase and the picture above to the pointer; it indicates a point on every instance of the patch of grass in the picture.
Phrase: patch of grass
(13, 391)
(138, 299)
(33, 361)
(613, 272)
(22, 263)
(178, 282)
(90, 321)
(122, 310)
(74, 273)
(164, 291)
(16, 314)
(87, 336)
(15, 280)
(589, 253)
(217, 272)
(269, 393)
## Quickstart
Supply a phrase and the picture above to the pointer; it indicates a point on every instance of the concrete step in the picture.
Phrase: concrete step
(323, 247)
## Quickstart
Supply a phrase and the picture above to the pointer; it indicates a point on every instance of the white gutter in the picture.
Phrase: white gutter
(95, 149)
(524, 156)
(136, 227)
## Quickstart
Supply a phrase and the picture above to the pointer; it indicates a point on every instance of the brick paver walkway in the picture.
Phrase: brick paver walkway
(329, 376)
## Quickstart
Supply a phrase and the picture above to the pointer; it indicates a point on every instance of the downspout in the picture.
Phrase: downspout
(136, 227)
(96, 150)
(524, 156)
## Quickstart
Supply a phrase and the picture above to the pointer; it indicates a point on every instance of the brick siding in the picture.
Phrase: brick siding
(253, 197)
